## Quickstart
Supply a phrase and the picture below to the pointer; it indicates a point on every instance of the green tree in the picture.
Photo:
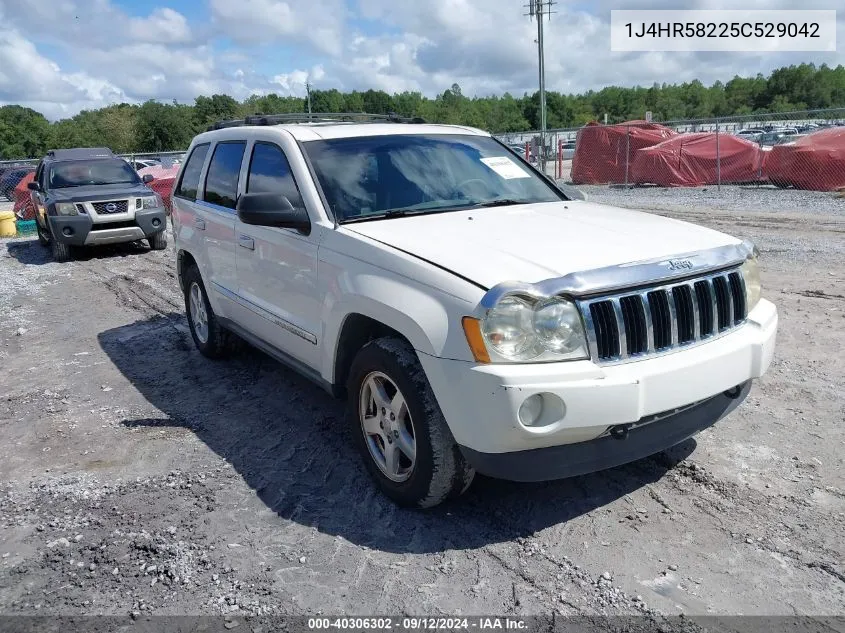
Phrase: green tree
(24, 133)
(161, 127)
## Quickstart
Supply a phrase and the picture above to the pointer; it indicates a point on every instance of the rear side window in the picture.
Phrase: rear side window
(190, 183)
(221, 183)
(269, 172)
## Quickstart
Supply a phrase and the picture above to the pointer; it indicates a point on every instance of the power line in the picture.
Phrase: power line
(541, 9)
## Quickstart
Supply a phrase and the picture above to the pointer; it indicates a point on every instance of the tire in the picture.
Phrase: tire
(43, 236)
(438, 470)
(158, 241)
(61, 252)
(212, 340)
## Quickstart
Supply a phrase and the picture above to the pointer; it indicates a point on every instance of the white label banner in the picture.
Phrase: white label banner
(728, 30)
(505, 167)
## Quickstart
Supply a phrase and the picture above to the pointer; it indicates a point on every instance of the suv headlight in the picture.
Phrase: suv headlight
(751, 276)
(519, 329)
(66, 208)
(149, 202)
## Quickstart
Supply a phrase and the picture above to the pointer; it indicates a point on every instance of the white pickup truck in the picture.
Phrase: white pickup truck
(475, 316)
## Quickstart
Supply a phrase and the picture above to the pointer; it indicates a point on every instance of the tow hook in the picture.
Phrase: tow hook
(620, 431)
(734, 392)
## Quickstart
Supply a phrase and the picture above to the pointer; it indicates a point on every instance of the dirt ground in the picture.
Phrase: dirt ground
(137, 476)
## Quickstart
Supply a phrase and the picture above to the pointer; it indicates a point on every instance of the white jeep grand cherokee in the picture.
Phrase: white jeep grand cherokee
(475, 317)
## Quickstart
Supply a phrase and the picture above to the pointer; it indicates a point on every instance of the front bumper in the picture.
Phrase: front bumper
(607, 451)
(81, 230)
(481, 402)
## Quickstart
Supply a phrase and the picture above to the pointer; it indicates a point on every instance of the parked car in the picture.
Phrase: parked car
(10, 179)
(89, 196)
(770, 138)
(750, 132)
(475, 318)
(141, 163)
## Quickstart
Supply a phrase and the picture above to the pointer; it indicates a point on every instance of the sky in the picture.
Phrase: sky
(63, 56)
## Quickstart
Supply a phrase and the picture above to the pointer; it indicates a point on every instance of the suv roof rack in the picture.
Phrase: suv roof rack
(317, 117)
(80, 153)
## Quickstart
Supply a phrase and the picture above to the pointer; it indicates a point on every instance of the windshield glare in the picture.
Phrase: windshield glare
(371, 176)
(92, 172)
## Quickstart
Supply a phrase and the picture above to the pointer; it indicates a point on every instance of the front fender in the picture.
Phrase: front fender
(431, 321)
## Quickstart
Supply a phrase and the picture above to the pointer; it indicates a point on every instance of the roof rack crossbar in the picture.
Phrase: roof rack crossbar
(317, 117)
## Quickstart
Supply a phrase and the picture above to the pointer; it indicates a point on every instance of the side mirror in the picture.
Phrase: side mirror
(147, 178)
(32, 185)
(573, 193)
(272, 209)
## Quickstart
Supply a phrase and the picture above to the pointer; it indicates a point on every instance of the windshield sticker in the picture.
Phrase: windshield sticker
(505, 167)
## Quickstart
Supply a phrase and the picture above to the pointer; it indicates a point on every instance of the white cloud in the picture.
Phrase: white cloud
(70, 54)
(29, 78)
(318, 23)
(162, 25)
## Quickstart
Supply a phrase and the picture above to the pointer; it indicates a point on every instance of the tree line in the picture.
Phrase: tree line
(154, 126)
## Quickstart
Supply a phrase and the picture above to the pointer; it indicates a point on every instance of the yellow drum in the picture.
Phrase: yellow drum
(7, 224)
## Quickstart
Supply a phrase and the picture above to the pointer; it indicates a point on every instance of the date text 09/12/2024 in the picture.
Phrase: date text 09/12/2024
(417, 623)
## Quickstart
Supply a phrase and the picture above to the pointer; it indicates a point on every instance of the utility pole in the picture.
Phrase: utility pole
(541, 9)
(308, 93)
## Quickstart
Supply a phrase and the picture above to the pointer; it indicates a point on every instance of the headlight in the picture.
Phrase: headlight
(149, 202)
(509, 330)
(66, 208)
(558, 325)
(518, 329)
(751, 276)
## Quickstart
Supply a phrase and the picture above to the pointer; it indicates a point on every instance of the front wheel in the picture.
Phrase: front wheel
(61, 252)
(158, 241)
(399, 428)
(43, 236)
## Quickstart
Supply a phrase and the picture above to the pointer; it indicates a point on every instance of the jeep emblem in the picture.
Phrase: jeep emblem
(680, 264)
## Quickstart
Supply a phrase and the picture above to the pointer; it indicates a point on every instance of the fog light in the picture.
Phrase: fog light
(531, 409)
(156, 222)
(67, 231)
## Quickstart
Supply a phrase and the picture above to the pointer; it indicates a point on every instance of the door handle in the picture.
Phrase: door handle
(246, 241)
(199, 223)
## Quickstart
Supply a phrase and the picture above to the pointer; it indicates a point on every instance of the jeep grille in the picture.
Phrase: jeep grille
(632, 325)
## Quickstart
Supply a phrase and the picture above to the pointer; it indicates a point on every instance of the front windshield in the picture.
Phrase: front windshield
(81, 173)
(374, 176)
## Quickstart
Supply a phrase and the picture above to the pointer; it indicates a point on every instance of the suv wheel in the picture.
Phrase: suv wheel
(43, 235)
(61, 251)
(399, 428)
(211, 339)
(158, 241)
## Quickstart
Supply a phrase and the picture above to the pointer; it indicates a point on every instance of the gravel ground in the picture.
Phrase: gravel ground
(733, 198)
(139, 477)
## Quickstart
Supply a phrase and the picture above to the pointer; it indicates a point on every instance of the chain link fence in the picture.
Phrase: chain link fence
(801, 150)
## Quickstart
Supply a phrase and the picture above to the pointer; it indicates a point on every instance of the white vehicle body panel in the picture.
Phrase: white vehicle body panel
(421, 275)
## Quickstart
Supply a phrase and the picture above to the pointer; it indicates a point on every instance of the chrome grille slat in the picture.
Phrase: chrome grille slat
(653, 321)
(620, 327)
(648, 323)
(673, 317)
(696, 313)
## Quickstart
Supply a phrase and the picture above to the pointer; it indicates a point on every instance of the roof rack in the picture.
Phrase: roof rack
(317, 117)
(80, 153)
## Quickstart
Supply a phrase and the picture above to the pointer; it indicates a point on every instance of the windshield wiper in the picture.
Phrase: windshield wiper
(499, 202)
(390, 214)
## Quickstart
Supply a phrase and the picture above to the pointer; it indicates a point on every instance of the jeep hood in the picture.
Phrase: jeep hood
(533, 242)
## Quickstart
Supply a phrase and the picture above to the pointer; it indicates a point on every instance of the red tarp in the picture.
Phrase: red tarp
(24, 208)
(163, 179)
(816, 161)
(600, 150)
(689, 160)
